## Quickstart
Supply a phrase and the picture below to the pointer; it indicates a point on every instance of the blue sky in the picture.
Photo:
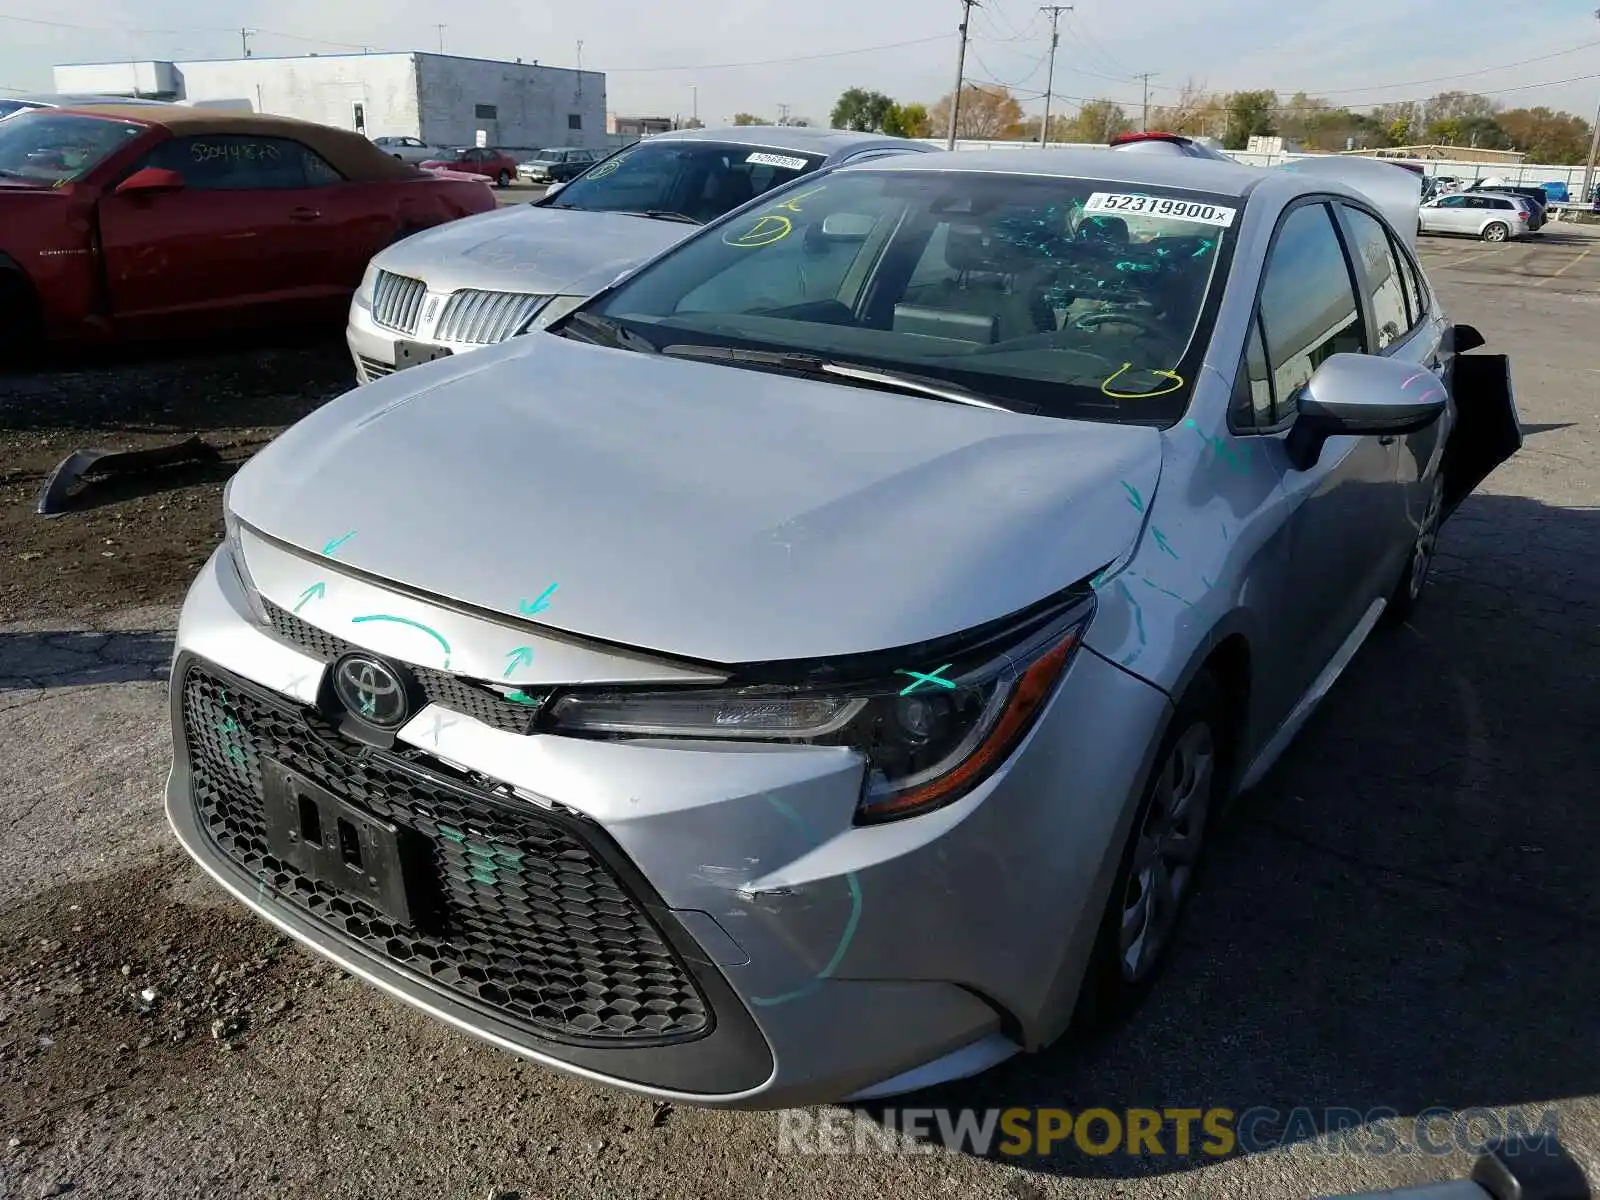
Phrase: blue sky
(1357, 51)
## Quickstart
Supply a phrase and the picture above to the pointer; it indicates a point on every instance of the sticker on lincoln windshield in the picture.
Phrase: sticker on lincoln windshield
(777, 160)
(1159, 206)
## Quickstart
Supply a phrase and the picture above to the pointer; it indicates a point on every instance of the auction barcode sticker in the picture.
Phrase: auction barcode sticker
(777, 160)
(1160, 206)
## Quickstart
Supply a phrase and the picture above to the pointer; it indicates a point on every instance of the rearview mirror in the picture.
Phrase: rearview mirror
(847, 227)
(150, 180)
(1362, 395)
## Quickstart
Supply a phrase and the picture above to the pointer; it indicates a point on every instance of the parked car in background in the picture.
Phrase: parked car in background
(809, 669)
(1557, 191)
(10, 106)
(488, 162)
(558, 166)
(407, 149)
(447, 293)
(1492, 216)
(122, 221)
(1538, 200)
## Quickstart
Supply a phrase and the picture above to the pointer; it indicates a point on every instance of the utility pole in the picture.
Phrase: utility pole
(441, 29)
(1055, 11)
(580, 69)
(1594, 148)
(1144, 121)
(694, 97)
(783, 114)
(961, 70)
(244, 40)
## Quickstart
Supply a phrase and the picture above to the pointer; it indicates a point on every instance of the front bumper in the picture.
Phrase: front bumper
(826, 959)
(374, 348)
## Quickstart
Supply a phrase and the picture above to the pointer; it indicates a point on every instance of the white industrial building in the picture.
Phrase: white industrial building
(444, 99)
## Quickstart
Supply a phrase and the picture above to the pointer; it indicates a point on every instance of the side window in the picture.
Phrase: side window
(1416, 294)
(1386, 288)
(1252, 396)
(235, 162)
(1308, 304)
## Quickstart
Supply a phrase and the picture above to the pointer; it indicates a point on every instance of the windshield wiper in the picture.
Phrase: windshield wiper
(662, 214)
(603, 331)
(813, 364)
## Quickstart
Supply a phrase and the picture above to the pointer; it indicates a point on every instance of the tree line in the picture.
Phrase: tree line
(992, 113)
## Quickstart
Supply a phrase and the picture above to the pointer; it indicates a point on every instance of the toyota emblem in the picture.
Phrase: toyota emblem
(371, 690)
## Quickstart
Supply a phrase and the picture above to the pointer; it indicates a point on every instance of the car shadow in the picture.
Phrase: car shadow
(41, 661)
(1401, 916)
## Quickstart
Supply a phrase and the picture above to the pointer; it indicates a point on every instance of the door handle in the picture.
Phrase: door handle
(303, 214)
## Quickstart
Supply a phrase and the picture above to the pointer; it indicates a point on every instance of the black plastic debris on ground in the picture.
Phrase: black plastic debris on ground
(93, 466)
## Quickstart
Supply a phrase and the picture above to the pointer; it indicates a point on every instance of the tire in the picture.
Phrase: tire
(503, 179)
(1496, 231)
(1413, 579)
(399, 158)
(1186, 788)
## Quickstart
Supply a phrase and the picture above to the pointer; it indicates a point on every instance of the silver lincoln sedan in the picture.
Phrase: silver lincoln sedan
(443, 292)
(811, 668)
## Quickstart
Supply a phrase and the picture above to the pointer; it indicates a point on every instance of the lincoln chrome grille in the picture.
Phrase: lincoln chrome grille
(397, 301)
(515, 913)
(483, 318)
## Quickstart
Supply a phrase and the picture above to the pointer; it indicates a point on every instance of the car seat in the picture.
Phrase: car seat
(993, 279)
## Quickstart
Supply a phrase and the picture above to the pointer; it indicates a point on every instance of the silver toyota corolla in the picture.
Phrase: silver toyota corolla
(446, 291)
(811, 668)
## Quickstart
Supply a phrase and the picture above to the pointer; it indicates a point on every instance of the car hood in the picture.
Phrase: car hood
(700, 511)
(561, 252)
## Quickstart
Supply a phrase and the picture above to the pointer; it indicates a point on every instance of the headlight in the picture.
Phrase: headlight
(233, 551)
(929, 736)
(363, 295)
(556, 308)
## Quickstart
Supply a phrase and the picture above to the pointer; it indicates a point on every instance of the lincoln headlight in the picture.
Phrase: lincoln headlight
(929, 733)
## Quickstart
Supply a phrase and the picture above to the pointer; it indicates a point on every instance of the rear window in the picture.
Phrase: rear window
(1070, 297)
(698, 180)
(49, 146)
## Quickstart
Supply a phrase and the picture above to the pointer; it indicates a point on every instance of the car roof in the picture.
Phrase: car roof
(802, 139)
(352, 155)
(62, 99)
(1147, 170)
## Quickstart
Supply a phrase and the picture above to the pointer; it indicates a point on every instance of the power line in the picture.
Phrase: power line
(1094, 46)
(1379, 87)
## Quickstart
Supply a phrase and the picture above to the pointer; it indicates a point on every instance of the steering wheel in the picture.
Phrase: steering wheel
(1092, 321)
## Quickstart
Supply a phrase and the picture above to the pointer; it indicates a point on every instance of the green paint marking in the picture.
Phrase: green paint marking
(521, 697)
(433, 633)
(1133, 496)
(315, 592)
(333, 544)
(520, 657)
(453, 834)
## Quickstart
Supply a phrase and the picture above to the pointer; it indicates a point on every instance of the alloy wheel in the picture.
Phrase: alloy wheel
(1167, 851)
(1495, 233)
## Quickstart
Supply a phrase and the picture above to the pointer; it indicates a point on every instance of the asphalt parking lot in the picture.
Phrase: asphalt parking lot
(1400, 917)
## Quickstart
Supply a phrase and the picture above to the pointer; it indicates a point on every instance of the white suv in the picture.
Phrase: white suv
(1492, 216)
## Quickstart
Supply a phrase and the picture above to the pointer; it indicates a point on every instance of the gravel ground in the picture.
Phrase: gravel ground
(1402, 916)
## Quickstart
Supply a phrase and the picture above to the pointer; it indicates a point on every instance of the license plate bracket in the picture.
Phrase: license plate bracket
(335, 842)
(409, 354)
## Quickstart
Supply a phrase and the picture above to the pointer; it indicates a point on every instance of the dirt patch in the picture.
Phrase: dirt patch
(113, 984)
(140, 539)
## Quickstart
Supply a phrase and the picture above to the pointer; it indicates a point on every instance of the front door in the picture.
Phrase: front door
(1345, 510)
(1453, 214)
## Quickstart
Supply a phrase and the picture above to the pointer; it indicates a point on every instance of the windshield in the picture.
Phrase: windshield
(54, 147)
(1068, 297)
(8, 107)
(696, 179)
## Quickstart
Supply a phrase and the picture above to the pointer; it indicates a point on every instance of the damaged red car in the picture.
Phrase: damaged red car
(128, 222)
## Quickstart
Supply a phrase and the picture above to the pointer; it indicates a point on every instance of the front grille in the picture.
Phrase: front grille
(397, 301)
(517, 914)
(442, 688)
(372, 368)
(483, 318)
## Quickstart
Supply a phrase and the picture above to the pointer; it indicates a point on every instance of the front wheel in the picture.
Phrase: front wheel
(1496, 232)
(503, 179)
(1161, 858)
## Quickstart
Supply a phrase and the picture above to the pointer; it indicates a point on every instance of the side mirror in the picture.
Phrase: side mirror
(149, 181)
(1467, 338)
(553, 189)
(1362, 395)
